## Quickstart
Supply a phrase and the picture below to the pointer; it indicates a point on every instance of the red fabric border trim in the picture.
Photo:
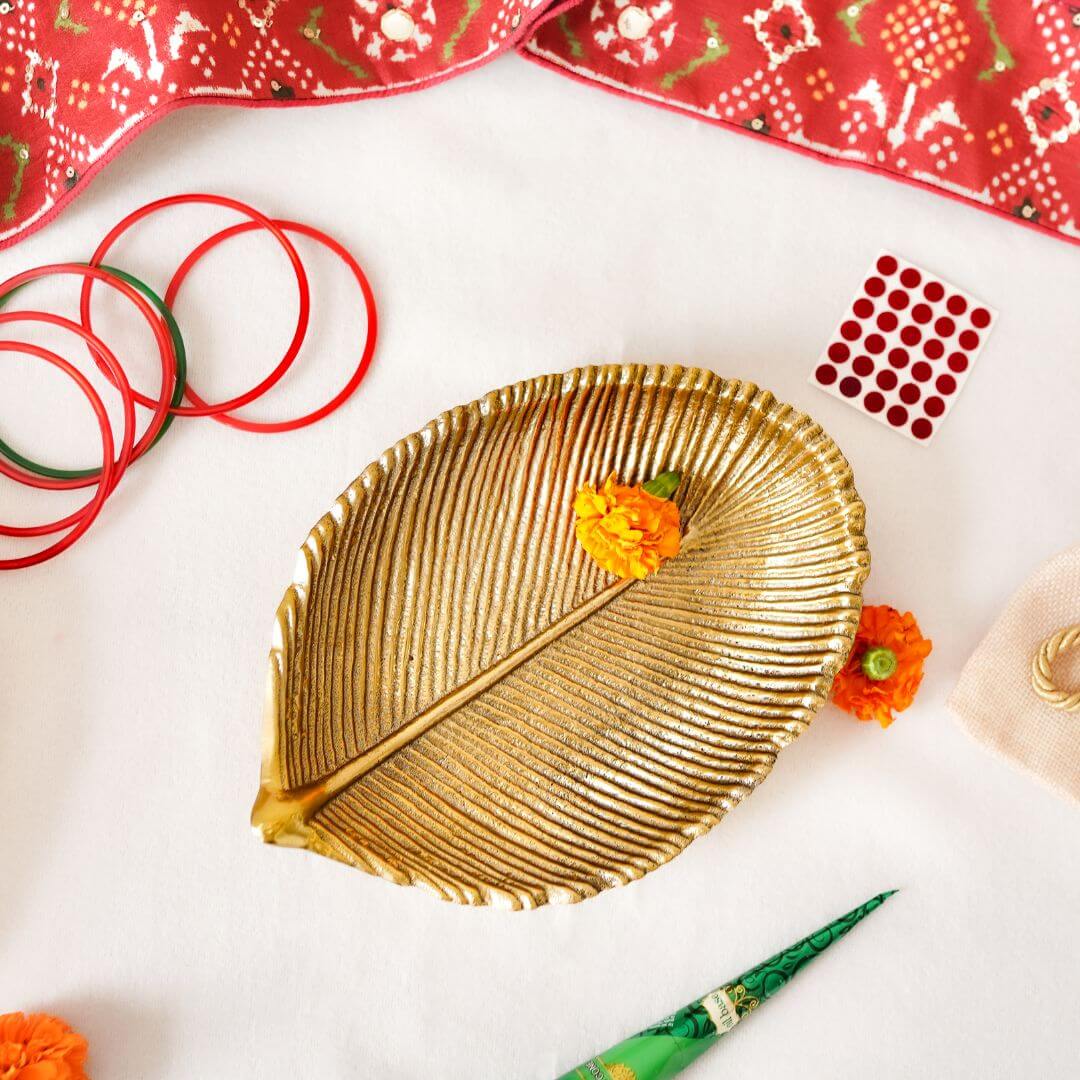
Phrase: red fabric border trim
(626, 92)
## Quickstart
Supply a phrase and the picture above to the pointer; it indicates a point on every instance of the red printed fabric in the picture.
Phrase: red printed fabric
(979, 99)
(80, 78)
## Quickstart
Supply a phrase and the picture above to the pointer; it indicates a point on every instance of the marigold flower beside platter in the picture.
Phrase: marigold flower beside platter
(631, 530)
(37, 1046)
(885, 667)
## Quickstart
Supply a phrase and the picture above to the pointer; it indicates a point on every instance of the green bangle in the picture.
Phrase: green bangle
(178, 393)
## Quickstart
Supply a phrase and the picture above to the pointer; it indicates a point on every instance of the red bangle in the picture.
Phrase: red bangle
(105, 357)
(93, 508)
(257, 219)
(161, 335)
(369, 304)
(163, 326)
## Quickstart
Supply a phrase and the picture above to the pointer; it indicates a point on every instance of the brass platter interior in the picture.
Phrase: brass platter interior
(459, 698)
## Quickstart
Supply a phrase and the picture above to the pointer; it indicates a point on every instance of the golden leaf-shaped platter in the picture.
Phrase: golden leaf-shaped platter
(460, 698)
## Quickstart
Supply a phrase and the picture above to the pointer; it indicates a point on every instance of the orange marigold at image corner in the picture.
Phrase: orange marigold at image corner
(40, 1047)
(883, 672)
(627, 530)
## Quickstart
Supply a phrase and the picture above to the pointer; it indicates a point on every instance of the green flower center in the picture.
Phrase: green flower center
(878, 663)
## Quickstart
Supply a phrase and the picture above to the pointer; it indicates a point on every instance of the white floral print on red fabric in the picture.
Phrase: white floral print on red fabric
(507, 20)
(396, 33)
(783, 29)
(633, 34)
(1049, 113)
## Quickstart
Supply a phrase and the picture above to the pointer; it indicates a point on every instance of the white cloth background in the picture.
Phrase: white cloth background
(515, 223)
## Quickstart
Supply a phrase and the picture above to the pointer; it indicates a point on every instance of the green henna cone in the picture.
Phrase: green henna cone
(849, 15)
(662, 1051)
(715, 49)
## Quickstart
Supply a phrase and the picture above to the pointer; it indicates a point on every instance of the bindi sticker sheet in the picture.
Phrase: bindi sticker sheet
(905, 348)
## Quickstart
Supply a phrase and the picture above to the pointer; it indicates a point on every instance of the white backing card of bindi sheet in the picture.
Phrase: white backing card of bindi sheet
(905, 347)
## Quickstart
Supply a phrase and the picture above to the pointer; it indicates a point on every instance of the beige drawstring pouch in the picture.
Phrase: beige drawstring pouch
(1018, 694)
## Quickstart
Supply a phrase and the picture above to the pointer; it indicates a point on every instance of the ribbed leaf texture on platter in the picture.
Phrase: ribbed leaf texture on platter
(460, 698)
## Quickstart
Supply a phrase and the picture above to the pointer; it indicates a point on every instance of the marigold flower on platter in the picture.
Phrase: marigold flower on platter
(40, 1047)
(628, 530)
(885, 667)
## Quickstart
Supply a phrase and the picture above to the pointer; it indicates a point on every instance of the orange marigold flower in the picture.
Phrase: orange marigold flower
(40, 1047)
(885, 667)
(627, 530)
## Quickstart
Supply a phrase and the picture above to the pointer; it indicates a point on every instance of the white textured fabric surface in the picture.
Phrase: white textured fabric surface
(994, 699)
(515, 223)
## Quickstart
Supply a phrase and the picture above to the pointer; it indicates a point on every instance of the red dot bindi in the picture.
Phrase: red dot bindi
(922, 428)
(826, 375)
(980, 317)
(850, 386)
(957, 305)
(874, 286)
(897, 416)
(921, 313)
(851, 330)
(933, 291)
(911, 277)
(911, 335)
(933, 406)
(934, 349)
(887, 321)
(921, 371)
(863, 365)
(945, 384)
(886, 265)
(968, 340)
(873, 402)
(898, 357)
(958, 362)
(887, 379)
(874, 343)
(863, 308)
(944, 326)
(899, 299)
